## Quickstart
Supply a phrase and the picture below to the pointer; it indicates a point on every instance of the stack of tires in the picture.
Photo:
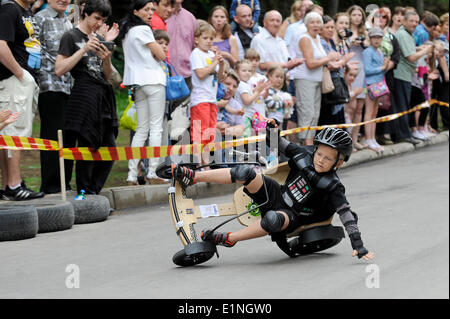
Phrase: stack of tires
(23, 220)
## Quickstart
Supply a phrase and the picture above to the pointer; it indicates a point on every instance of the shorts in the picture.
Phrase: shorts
(203, 123)
(19, 96)
(276, 202)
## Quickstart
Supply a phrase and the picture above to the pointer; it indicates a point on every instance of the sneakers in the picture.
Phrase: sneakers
(2, 195)
(419, 136)
(216, 238)
(183, 175)
(22, 193)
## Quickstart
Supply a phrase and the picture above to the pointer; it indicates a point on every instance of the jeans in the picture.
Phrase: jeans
(150, 108)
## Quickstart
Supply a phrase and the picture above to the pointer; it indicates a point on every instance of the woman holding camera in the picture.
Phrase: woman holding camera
(356, 38)
(333, 114)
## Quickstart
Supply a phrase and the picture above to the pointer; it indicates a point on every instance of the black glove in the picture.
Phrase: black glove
(357, 244)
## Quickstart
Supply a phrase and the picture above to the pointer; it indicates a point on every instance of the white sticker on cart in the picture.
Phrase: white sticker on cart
(209, 210)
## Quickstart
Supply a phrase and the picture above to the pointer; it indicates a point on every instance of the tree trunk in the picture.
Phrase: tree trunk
(419, 6)
(331, 7)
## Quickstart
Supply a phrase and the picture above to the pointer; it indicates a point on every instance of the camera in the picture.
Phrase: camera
(348, 34)
(108, 45)
(360, 38)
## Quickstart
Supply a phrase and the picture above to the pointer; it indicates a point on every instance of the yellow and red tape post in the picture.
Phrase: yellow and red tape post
(127, 153)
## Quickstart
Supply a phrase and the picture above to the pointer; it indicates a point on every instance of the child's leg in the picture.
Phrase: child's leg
(255, 230)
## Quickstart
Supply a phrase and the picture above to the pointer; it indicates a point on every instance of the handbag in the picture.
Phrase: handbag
(176, 87)
(377, 90)
(385, 102)
(340, 94)
(327, 81)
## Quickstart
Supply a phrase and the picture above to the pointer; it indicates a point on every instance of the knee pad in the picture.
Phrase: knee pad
(272, 222)
(242, 173)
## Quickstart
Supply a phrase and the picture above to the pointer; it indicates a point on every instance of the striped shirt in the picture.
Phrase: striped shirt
(50, 29)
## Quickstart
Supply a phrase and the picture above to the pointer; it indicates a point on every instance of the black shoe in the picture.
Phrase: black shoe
(216, 238)
(2, 195)
(383, 140)
(411, 140)
(22, 193)
(185, 176)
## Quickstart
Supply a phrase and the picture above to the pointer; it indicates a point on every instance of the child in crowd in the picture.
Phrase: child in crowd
(207, 70)
(250, 97)
(375, 66)
(256, 9)
(163, 39)
(440, 89)
(279, 105)
(230, 119)
(351, 72)
(420, 93)
(254, 57)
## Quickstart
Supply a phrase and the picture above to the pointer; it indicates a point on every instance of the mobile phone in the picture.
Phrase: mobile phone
(108, 45)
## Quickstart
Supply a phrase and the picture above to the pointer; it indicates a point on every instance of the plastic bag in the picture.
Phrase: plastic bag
(128, 120)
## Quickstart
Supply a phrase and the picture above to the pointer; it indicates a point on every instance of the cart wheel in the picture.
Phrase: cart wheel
(194, 254)
(316, 239)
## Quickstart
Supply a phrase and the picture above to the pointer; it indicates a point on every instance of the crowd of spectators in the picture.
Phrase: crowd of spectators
(305, 70)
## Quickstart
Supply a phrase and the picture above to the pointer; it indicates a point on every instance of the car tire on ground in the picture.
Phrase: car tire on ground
(53, 214)
(18, 222)
(93, 209)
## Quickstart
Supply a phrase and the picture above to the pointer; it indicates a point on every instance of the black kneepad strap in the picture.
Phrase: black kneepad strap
(242, 173)
(272, 222)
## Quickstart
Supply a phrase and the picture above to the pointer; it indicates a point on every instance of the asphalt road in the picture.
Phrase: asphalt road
(403, 208)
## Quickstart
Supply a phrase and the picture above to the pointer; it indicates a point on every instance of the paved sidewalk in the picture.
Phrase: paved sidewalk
(147, 195)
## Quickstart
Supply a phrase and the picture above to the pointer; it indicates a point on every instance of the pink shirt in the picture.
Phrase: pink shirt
(181, 27)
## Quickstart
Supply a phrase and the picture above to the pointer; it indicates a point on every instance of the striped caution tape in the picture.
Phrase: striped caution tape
(27, 143)
(127, 153)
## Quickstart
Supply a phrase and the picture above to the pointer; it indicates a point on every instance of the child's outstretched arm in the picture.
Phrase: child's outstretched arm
(350, 221)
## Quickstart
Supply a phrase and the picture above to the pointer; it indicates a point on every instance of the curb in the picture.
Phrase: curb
(147, 195)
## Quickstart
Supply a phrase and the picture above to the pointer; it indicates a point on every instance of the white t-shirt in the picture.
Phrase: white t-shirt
(234, 118)
(245, 87)
(203, 91)
(259, 104)
(140, 66)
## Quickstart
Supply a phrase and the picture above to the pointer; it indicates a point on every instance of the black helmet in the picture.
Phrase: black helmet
(336, 138)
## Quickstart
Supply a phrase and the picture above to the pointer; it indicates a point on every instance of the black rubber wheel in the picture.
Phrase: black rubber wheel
(316, 239)
(194, 254)
(95, 208)
(316, 246)
(18, 222)
(164, 171)
(53, 214)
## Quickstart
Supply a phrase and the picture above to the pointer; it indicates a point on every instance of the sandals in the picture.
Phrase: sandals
(374, 146)
(358, 146)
